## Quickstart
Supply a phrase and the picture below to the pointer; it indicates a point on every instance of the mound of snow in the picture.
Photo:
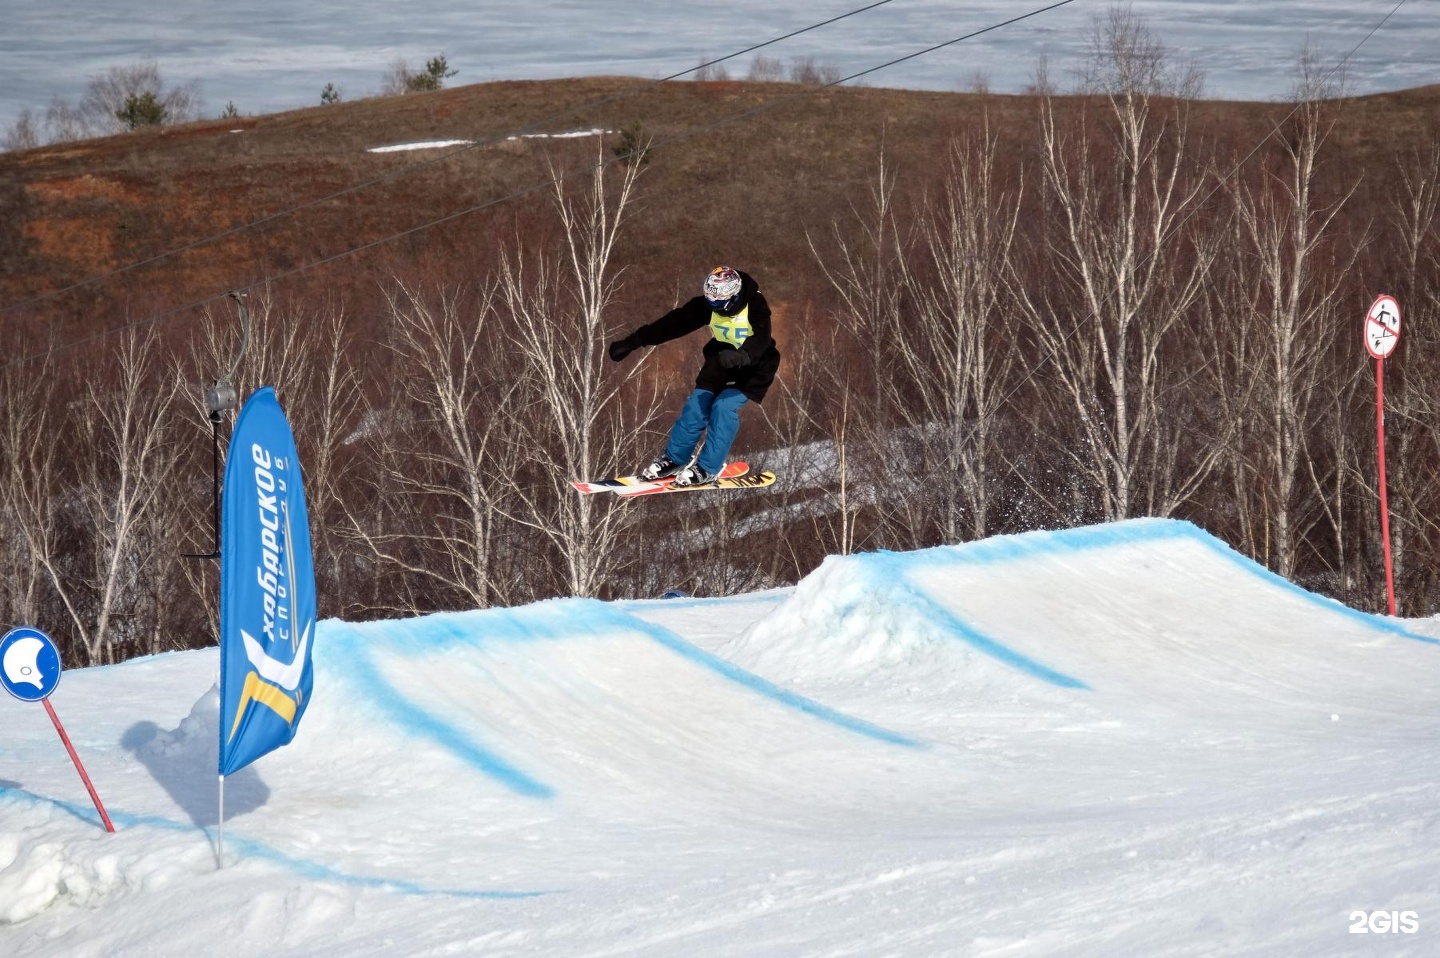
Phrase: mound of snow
(198, 731)
(845, 621)
(862, 621)
(46, 861)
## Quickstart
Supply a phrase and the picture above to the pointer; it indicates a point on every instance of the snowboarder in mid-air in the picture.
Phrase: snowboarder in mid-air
(740, 364)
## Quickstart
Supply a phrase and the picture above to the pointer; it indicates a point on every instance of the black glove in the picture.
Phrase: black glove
(621, 348)
(731, 358)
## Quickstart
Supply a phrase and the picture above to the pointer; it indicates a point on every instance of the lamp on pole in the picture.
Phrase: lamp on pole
(220, 397)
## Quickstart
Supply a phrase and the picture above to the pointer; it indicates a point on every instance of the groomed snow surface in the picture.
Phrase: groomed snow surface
(1124, 740)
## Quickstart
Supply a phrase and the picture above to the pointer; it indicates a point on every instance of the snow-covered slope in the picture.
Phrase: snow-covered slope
(1122, 740)
(266, 56)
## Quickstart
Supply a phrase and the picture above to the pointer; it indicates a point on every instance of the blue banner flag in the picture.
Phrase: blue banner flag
(267, 588)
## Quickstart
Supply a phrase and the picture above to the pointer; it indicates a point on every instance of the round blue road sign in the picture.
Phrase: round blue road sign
(29, 664)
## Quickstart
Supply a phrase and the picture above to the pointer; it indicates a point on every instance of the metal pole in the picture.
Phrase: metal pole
(220, 398)
(215, 473)
(1384, 499)
(220, 846)
(215, 487)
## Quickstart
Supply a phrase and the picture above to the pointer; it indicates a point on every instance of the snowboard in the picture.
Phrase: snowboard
(751, 480)
(631, 485)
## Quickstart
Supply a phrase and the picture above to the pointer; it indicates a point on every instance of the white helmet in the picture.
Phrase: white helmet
(722, 289)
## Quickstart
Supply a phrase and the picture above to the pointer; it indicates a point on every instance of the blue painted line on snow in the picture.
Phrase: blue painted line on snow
(251, 848)
(894, 566)
(547, 620)
(992, 647)
(771, 597)
(1044, 544)
(1031, 545)
(556, 619)
(552, 620)
(1379, 622)
(417, 720)
(753, 682)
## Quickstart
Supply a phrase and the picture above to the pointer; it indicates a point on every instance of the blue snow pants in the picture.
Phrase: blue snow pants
(717, 416)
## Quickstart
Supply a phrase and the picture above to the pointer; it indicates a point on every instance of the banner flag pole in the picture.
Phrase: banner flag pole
(267, 591)
(220, 834)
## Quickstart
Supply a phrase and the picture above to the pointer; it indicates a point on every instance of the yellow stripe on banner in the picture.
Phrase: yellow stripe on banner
(272, 697)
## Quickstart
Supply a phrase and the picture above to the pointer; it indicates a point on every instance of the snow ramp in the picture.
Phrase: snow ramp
(1152, 611)
(1124, 739)
(998, 649)
(579, 695)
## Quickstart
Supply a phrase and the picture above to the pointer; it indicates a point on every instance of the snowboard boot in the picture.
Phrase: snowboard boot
(661, 467)
(692, 476)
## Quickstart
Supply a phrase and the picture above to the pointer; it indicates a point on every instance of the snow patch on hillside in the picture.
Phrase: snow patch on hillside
(442, 144)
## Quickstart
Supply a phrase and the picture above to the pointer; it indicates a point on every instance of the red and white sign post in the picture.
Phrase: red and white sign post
(1382, 335)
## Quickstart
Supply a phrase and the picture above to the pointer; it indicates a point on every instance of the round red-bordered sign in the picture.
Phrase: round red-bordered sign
(1382, 326)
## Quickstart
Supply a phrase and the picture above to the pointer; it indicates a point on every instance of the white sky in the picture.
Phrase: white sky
(1120, 740)
(269, 55)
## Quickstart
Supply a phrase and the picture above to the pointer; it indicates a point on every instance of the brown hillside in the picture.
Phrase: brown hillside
(1118, 356)
(741, 172)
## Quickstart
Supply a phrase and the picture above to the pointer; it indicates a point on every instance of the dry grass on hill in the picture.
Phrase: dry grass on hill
(740, 173)
(1268, 448)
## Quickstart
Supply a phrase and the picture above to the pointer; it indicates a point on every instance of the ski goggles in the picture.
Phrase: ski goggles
(725, 305)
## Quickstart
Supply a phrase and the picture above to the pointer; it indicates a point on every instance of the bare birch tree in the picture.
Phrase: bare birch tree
(125, 456)
(827, 482)
(1239, 515)
(441, 448)
(957, 349)
(1339, 479)
(1291, 301)
(1129, 263)
(306, 358)
(870, 274)
(27, 483)
(935, 301)
(554, 309)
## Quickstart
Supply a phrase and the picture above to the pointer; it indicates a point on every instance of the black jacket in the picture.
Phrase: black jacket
(760, 360)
